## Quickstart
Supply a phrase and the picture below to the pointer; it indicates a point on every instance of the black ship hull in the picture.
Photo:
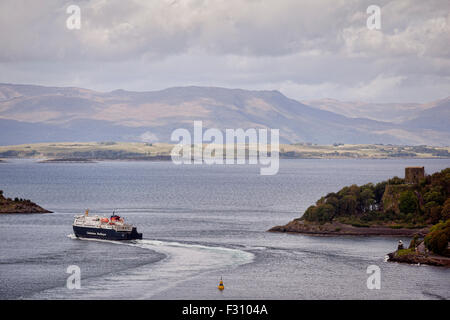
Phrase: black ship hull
(105, 234)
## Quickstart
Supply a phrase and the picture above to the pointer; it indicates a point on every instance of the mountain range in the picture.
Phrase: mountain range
(32, 114)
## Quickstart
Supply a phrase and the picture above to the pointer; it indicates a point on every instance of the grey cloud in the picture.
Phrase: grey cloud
(122, 29)
(302, 48)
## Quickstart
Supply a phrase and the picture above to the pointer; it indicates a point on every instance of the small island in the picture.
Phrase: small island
(17, 205)
(67, 160)
(417, 206)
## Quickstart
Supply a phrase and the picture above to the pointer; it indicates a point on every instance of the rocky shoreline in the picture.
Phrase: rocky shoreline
(419, 258)
(337, 228)
(22, 206)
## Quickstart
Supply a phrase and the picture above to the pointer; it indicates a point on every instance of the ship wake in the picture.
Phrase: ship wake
(183, 261)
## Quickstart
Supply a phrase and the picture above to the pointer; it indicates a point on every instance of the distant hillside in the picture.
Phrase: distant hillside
(435, 118)
(387, 112)
(32, 114)
(422, 121)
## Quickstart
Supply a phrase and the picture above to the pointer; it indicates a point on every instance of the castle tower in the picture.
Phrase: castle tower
(414, 174)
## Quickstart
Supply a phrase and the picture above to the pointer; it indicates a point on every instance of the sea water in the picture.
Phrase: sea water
(200, 223)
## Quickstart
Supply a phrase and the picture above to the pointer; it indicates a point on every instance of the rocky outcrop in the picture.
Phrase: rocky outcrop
(413, 257)
(8, 205)
(337, 228)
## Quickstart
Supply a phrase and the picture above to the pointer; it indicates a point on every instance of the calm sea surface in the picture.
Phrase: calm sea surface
(200, 223)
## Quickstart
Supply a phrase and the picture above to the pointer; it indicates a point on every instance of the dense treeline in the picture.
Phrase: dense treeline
(438, 238)
(427, 202)
(4, 201)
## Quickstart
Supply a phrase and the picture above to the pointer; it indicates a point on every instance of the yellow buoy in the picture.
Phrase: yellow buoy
(221, 286)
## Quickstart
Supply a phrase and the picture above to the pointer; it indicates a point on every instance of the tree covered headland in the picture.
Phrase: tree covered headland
(424, 203)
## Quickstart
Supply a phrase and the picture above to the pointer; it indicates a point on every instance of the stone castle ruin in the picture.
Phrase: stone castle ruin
(414, 174)
(392, 192)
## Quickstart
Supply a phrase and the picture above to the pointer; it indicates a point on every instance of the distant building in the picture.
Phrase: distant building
(414, 174)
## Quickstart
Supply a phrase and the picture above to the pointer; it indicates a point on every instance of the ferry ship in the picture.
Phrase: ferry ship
(113, 228)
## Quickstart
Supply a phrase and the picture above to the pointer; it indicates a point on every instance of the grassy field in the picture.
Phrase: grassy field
(161, 151)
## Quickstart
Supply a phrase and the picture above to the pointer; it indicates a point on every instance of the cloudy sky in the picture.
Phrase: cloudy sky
(306, 49)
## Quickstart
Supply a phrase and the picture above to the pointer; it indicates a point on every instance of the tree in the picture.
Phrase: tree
(379, 191)
(438, 237)
(334, 201)
(446, 210)
(435, 214)
(310, 214)
(367, 199)
(433, 211)
(347, 205)
(396, 180)
(325, 212)
(434, 196)
(408, 202)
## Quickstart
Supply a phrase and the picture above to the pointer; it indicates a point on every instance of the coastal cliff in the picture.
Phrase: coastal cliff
(8, 205)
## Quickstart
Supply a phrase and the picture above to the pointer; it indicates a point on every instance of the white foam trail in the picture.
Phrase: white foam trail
(183, 261)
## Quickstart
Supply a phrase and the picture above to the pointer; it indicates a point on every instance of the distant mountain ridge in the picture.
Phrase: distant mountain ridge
(388, 112)
(31, 114)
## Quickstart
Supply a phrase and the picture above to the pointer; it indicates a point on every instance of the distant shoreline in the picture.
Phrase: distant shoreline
(140, 151)
(68, 160)
(169, 159)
